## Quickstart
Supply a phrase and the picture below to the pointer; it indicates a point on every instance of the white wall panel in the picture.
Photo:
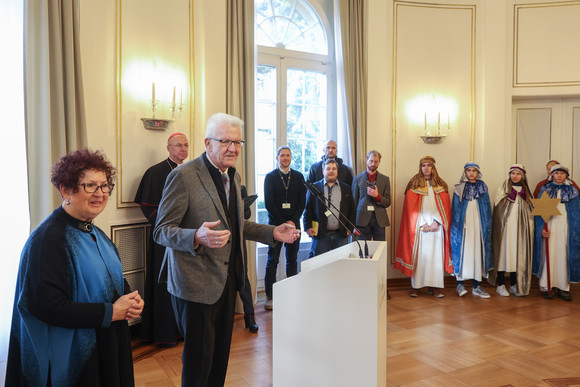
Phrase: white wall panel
(546, 41)
(434, 54)
(153, 43)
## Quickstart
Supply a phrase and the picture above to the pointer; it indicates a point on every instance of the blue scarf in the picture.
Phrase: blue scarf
(567, 192)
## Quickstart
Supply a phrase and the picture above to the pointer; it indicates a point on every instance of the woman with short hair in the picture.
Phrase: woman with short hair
(69, 324)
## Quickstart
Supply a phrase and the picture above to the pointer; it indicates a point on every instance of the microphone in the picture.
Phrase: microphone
(324, 200)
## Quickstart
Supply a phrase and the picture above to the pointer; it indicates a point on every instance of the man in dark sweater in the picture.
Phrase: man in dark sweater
(344, 172)
(285, 197)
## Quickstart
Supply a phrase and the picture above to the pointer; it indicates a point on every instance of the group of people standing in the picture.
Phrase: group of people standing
(334, 206)
(472, 242)
(72, 304)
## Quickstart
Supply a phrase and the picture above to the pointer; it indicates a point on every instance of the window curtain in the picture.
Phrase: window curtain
(14, 229)
(351, 60)
(54, 107)
(240, 59)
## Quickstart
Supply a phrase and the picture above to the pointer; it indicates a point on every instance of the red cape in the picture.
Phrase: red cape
(406, 257)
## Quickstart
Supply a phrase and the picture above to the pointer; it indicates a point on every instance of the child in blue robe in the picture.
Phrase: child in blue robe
(471, 231)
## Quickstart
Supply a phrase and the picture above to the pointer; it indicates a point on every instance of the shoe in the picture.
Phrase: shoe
(414, 293)
(564, 295)
(479, 291)
(461, 291)
(514, 289)
(502, 291)
(548, 296)
(251, 322)
(388, 295)
(268, 305)
(437, 293)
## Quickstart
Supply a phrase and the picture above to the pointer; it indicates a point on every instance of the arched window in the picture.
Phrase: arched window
(295, 94)
(290, 25)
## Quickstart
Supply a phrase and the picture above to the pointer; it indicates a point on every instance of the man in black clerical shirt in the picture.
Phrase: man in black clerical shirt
(158, 321)
(285, 197)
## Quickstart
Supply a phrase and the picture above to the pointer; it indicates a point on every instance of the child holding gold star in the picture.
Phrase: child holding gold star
(561, 238)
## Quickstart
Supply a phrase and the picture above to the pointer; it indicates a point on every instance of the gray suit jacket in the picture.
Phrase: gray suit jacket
(190, 198)
(362, 200)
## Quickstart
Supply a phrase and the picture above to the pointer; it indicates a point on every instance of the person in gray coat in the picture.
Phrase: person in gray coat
(371, 191)
(201, 223)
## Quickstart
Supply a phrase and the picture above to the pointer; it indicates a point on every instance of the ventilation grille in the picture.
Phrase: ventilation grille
(131, 241)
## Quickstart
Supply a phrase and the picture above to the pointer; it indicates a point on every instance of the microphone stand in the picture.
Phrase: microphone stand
(320, 196)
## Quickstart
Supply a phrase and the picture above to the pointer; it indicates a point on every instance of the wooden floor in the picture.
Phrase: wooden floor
(452, 341)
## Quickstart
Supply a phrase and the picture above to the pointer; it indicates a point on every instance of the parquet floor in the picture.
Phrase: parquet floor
(503, 341)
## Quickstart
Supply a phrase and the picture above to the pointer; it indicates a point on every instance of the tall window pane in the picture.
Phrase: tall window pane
(306, 116)
(266, 118)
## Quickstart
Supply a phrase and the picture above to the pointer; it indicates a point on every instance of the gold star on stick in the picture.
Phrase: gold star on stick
(545, 207)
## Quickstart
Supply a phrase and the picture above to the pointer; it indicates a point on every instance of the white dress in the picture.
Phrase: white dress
(509, 245)
(472, 254)
(558, 243)
(430, 258)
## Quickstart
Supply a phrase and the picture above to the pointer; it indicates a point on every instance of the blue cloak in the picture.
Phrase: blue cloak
(70, 274)
(571, 200)
(470, 191)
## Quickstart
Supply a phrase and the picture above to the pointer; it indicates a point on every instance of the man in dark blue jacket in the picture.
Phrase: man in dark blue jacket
(285, 197)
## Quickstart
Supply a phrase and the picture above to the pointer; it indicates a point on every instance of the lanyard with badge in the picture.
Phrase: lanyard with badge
(286, 205)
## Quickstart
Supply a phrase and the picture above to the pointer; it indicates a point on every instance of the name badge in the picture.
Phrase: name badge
(285, 206)
(328, 213)
(370, 208)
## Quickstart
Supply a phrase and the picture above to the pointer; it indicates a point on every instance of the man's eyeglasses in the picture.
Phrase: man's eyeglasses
(227, 143)
(93, 187)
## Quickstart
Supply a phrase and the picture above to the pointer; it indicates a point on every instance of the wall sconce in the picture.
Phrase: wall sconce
(154, 123)
(434, 135)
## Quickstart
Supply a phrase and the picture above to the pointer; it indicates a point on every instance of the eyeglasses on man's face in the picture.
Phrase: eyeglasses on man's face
(91, 188)
(227, 143)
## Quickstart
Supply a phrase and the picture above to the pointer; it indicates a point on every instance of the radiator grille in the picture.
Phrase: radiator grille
(131, 241)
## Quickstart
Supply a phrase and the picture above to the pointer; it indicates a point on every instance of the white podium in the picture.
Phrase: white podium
(330, 321)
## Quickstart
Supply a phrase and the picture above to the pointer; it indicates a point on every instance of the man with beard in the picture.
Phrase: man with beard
(372, 196)
(285, 197)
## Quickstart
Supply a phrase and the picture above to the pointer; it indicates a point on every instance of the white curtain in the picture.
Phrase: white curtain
(240, 59)
(15, 225)
(55, 118)
(351, 69)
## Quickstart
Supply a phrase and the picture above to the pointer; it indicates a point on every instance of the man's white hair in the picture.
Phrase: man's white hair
(222, 118)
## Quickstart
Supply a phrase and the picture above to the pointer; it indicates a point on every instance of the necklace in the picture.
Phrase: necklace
(168, 163)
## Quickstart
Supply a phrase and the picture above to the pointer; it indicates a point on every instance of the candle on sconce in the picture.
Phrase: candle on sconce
(448, 124)
(438, 120)
(173, 96)
(153, 92)
(425, 122)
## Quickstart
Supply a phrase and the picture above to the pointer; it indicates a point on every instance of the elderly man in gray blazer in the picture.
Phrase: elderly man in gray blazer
(372, 195)
(201, 222)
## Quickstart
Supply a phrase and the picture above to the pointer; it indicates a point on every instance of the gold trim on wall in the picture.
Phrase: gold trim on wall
(396, 5)
(119, 95)
(517, 8)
